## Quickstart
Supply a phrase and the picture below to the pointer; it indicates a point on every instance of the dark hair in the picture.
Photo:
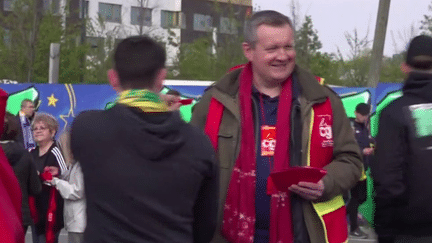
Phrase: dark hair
(363, 109)
(173, 92)
(268, 17)
(25, 101)
(10, 127)
(137, 60)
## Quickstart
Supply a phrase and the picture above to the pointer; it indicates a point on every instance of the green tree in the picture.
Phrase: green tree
(102, 40)
(326, 66)
(356, 68)
(27, 32)
(196, 61)
(391, 71)
(426, 23)
(19, 34)
(72, 51)
(204, 59)
(307, 43)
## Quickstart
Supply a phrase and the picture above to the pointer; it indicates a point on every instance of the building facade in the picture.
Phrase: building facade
(169, 21)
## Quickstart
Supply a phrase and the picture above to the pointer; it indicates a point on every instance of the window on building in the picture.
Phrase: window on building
(228, 26)
(202, 22)
(8, 5)
(141, 16)
(7, 37)
(95, 42)
(52, 6)
(110, 12)
(84, 9)
(170, 19)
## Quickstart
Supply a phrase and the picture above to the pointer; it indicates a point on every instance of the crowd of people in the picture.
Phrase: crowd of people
(151, 177)
(50, 180)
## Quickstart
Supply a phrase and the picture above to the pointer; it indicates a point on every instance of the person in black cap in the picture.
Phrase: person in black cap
(402, 172)
(360, 125)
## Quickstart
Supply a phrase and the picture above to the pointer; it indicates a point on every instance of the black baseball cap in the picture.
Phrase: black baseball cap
(363, 109)
(419, 54)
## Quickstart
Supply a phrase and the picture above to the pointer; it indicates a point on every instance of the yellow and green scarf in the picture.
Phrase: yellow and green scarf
(142, 99)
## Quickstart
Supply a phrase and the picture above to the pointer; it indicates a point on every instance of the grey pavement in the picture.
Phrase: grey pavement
(371, 239)
(63, 236)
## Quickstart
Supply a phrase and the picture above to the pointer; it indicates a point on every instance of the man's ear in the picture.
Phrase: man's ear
(114, 80)
(247, 51)
(405, 68)
(159, 80)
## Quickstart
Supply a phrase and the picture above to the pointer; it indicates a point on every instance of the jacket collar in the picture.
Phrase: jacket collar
(419, 84)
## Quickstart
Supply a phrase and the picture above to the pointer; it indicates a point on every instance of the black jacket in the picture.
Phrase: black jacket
(25, 170)
(363, 138)
(150, 177)
(53, 157)
(403, 170)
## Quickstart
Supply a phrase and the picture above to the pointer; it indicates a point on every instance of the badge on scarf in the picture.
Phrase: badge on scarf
(268, 140)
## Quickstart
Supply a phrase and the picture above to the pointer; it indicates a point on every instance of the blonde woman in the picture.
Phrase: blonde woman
(49, 161)
(71, 188)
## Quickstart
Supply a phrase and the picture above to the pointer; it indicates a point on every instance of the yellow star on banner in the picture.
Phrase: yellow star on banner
(52, 100)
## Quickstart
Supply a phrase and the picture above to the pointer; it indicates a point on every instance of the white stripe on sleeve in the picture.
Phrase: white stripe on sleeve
(60, 159)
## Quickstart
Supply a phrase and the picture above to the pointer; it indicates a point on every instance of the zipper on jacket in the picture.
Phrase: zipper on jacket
(256, 122)
(295, 115)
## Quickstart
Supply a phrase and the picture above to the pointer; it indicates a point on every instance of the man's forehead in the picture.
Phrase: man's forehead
(28, 104)
(269, 33)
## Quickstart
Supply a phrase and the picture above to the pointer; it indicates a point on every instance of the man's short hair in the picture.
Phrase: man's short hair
(25, 101)
(173, 92)
(137, 60)
(363, 109)
(267, 17)
(419, 54)
(10, 127)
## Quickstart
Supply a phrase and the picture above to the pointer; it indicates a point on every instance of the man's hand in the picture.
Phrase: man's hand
(52, 169)
(368, 151)
(172, 101)
(308, 190)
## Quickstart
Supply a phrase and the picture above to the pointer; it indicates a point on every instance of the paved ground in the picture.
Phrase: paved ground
(63, 236)
(371, 239)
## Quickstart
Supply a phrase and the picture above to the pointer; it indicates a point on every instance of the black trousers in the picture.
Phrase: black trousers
(358, 196)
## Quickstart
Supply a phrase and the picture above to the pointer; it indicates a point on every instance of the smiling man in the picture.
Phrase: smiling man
(268, 116)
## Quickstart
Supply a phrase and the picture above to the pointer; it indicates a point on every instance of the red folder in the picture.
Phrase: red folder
(284, 179)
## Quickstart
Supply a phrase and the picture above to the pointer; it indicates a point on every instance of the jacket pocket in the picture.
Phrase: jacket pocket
(226, 150)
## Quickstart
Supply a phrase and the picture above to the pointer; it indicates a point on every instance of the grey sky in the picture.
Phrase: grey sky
(332, 18)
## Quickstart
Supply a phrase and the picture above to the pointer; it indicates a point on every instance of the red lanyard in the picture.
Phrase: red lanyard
(270, 163)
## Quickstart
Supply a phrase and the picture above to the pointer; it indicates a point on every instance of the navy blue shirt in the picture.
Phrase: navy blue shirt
(363, 139)
(262, 200)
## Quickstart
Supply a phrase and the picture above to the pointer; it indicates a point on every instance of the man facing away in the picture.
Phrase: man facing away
(272, 99)
(25, 116)
(149, 176)
(402, 171)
